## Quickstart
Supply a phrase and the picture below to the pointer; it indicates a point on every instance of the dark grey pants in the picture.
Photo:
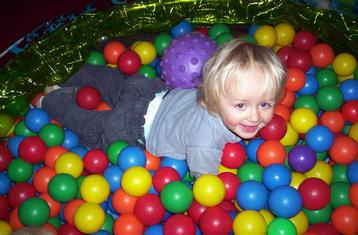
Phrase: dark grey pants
(128, 96)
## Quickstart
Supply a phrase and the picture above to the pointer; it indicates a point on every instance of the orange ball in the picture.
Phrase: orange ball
(103, 106)
(42, 177)
(296, 79)
(344, 219)
(55, 206)
(288, 99)
(122, 202)
(112, 51)
(353, 194)
(153, 162)
(322, 55)
(49, 227)
(128, 224)
(52, 154)
(344, 150)
(14, 220)
(334, 120)
(283, 111)
(70, 209)
(271, 152)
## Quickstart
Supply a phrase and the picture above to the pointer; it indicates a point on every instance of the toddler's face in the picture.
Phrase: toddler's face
(247, 106)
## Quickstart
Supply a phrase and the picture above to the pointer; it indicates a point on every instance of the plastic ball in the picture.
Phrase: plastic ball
(176, 197)
(113, 175)
(303, 119)
(19, 170)
(112, 51)
(179, 165)
(128, 224)
(21, 129)
(251, 195)
(271, 152)
(182, 62)
(285, 34)
(319, 216)
(349, 89)
(153, 162)
(35, 119)
(149, 209)
(329, 98)
(6, 124)
(114, 149)
(19, 193)
(161, 42)
(88, 97)
(265, 36)
(233, 155)
(334, 120)
(52, 154)
(131, 156)
(89, 217)
(32, 149)
(276, 175)
(69, 210)
(215, 220)
(71, 139)
(34, 212)
(352, 172)
(5, 228)
(163, 176)
(353, 194)
(322, 55)
(129, 62)
(252, 147)
(350, 111)
(41, 178)
(179, 224)
(326, 77)
(301, 222)
(195, 211)
(344, 64)
(275, 129)
(95, 161)
(340, 194)
(321, 170)
(249, 222)
(216, 29)
(299, 59)
(136, 181)
(283, 53)
(310, 87)
(281, 226)
(94, 189)
(148, 71)
(69, 163)
(184, 27)
(250, 171)
(63, 187)
(223, 38)
(285, 201)
(146, 52)
(344, 219)
(319, 138)
(304, 40)
(122, 202)
(52, 135)
(344, 150)
(231, 183)
(209, 190)
(96, 58)
(315, 193)
(307, 101)
(5, 156)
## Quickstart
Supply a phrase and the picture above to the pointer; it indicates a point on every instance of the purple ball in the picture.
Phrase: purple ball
(184, 59)
(302, 158)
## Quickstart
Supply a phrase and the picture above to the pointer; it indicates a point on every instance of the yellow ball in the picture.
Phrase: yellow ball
(89, 218)
(249, 222)
(343, 78)
(94, 188)
(265, 36)
(353, 131)
(285, 34)
(136, 43)
(296, 179)
(321, 170)
(136, 181)
(303, 119)
(268, 216)
(291, 137)
(209, 190)
(5, 228)
(69, 163)
(223, 169)
(344, 64)
(301, 222)
(146, 52)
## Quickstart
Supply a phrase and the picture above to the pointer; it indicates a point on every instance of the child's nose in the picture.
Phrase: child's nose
(254, 115)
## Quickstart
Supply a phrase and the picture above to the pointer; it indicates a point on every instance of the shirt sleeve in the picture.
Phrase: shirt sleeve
(203, 160)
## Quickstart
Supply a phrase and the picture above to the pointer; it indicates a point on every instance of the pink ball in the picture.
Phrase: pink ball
(299, 59)
(304, 40)
(88, 98)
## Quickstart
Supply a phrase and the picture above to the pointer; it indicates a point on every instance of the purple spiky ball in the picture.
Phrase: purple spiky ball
(184, 59)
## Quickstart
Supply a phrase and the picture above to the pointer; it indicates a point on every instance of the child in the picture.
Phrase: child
(241, 84)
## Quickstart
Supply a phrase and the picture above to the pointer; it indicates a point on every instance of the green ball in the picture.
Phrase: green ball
(217, 29)
(321, 156)
(281, 226)
(79, 182)
(326, 77)
(346, 128)
(340, 194)
(63, 187)
(307, 101)
(6, 122)
(250, 171)
(114, 150)
(96, 58)
(19, 170)
(108, 224)
(161, 42)
(21, 129)
(339, 173)
(34, 212)
(55, 221)
(248, 38)
(17, 106)
(329, 98)
(355, 74)
(52, 135)
(147, 71)
(176, 197)
(319, 216)
(223, 38)
(188, 178)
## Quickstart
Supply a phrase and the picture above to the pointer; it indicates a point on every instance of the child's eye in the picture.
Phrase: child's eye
(266, 105)
(240, 106)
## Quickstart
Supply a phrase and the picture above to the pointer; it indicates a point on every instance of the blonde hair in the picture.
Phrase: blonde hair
(238, 56)
(31, 231)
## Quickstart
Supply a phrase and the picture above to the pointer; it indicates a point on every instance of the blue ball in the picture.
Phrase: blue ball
(252, 29)
(101, 232)
(311, 71)
(251, 195)
(154, 230)
(113, 175)
(319, 138)
(179, 165)
(352, 172)
(252, 147)
(276, 175)
(13, 144)
(285, 201)
(35, 119)
(79, 150)
(4, 184)
(349, 89)
(311, 86)
(131, 156)
(184, 27)
(70, 139)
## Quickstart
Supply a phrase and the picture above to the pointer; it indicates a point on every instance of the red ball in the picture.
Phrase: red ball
(231, 184)
(95, 161)
(350, 111)
(304, 40)
(284, 52)
(128, 224)
(344, 150)
(215, 220)
(19, 193)
(202, 30)
(112, 51)
(315, 193)
(149, 209)
(275, 129)
(322, 229)
(88, 98)
(344, 219)
(179, 224)
(233, 155)
(322, 55)
(4, 208)
(129, 62)
(68, 229)
(163, 176)
(334, 120)
(299, 59)
(5, 156)
(42, 177)
(353, 194)
(271, 152)
(296, 79)
(196, 210)
(228, 205)
(32, 149)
